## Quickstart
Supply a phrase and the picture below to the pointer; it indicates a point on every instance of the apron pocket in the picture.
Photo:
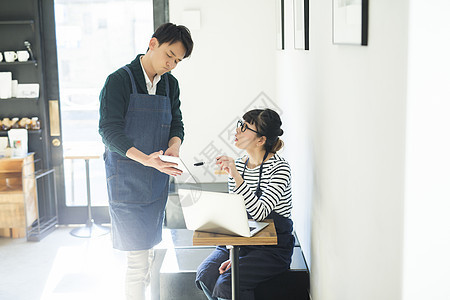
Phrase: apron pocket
(136, 183)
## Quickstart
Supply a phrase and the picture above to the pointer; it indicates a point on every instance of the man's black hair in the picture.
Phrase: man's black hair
(171, 33)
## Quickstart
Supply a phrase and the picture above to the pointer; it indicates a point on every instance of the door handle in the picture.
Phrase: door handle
(53, 108)
(56, 142)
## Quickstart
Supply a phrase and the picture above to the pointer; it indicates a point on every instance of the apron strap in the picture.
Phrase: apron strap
(258, 191)
(133, 84)
(166, 82)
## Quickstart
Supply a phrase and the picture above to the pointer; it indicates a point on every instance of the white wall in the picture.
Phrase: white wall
(427, 189)
(348, 106)
(366, 233)
(233, 62)
(294, 93)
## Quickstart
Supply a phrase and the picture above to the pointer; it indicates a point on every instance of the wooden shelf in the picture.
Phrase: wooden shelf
(12, 190)
(28, 62)
(5, 132)
(17, 22)
(18, 99)
(9, 174)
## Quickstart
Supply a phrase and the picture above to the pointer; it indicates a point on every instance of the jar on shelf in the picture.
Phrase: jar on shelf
(35, 123)
(6, 124)
(25, 123)
(15, 123)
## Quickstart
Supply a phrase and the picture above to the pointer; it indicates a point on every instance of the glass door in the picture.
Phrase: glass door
(93, 39)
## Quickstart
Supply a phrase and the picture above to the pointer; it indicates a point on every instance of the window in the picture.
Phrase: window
(94, 38)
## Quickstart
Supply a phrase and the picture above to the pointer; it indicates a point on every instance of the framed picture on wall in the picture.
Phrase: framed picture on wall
(301, 24)
(350, 22)
(280, 24)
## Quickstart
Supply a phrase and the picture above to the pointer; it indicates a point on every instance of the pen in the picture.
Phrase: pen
(200, 163)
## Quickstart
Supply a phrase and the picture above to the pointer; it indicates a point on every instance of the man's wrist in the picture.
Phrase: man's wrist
(175, 142)
(136, 155)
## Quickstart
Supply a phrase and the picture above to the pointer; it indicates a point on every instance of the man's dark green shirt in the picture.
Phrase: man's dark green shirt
(114, 100)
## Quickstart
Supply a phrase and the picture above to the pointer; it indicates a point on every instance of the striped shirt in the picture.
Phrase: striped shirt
(275, 186)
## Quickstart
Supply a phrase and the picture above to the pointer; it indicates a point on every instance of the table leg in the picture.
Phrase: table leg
(91, 229)
(72, 182)
(90, 221)
(234, 256)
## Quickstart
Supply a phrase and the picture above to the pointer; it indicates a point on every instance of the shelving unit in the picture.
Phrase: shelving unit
(20, 21)
(45, 223)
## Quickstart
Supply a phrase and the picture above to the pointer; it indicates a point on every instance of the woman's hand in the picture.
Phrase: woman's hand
(224, 266)
(227, 164)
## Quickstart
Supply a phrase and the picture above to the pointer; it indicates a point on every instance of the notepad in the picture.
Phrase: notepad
(186, 176)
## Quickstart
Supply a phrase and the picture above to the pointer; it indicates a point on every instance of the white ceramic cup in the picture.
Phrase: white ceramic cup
(3, 143)
(23, 55)
(1, 57)
(10, 56)
(14, 87)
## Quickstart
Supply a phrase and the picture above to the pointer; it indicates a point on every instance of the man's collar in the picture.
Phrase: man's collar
(147, 79)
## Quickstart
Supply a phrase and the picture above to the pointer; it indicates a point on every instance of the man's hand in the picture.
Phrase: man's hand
(174, 147)
(173, 151)
(153, 160)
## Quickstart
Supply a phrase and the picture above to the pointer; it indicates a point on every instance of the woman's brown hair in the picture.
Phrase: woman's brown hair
(268, 124)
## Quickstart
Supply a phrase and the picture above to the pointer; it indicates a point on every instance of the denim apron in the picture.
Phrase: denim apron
(138, 194)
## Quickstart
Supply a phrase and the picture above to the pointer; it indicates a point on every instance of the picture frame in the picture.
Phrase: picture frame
(301, 24)
(350, 22)
(280, 24)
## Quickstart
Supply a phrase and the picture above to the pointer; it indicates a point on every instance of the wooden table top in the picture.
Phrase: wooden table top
(82, 156)
(267, 236)
(70, 153)
(83, 150)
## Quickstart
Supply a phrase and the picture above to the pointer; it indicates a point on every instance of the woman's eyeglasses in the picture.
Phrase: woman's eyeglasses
(244, 127)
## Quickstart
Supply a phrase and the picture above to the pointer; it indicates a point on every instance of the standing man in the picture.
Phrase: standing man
(140, 119)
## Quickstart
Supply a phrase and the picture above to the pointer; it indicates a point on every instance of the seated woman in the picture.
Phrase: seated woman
(264, 179)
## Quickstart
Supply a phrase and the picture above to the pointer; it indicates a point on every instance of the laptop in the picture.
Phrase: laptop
(217, 213)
